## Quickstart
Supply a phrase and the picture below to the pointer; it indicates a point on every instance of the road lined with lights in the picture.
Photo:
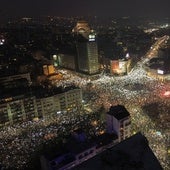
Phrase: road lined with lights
(154, 49)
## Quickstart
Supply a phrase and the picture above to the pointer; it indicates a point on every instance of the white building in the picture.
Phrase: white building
(118, 121)
(20, 108)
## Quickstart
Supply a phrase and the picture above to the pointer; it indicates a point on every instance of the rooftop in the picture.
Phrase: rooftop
(119, 112)
(41, 92)
(131, 154)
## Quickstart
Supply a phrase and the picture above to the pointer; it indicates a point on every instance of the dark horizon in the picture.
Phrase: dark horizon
(114, 8)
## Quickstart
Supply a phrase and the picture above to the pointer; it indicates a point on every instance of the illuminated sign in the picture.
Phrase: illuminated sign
(127, 55)
(160, 71)
(2, 41)
(91, 37)
(55, 57)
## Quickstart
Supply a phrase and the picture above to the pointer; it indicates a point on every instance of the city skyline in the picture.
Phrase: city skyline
(113, 8)
(78, 78)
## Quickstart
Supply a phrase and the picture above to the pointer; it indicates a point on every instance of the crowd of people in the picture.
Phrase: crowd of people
(20, 143)
(134, 91)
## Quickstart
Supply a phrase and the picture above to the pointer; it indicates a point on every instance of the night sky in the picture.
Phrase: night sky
(9, 8)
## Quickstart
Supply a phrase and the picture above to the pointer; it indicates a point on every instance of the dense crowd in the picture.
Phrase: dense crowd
(20, 142)
(135, 91)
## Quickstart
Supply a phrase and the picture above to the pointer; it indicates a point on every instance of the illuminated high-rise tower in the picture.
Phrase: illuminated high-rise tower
(87, 58)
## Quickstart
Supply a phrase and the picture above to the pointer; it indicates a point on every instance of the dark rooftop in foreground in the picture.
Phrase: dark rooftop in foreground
(119, 112)
(133, 153)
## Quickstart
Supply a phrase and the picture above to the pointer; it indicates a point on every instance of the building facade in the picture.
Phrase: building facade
(118, 67)
(66, 101)
(118, 122)
(87, 51)
(8, 79)
(17, 109)
(21, 108)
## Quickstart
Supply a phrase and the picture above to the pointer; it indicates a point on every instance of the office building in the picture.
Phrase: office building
(120, 66)
(48, 69)
(87, 51)
(66, 99)
(66, 61)
(16, 101)
(12, 79)
(25, 103)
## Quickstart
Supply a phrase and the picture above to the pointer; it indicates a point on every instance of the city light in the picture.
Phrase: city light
(160, 71)
(91, 37)
(2, 41)
(127, 56)
(167, 94)
(55, 57)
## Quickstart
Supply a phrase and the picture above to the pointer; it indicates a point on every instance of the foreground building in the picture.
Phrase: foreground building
(133, 153)
(76, 150)
(81, 148)
(118, 122)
